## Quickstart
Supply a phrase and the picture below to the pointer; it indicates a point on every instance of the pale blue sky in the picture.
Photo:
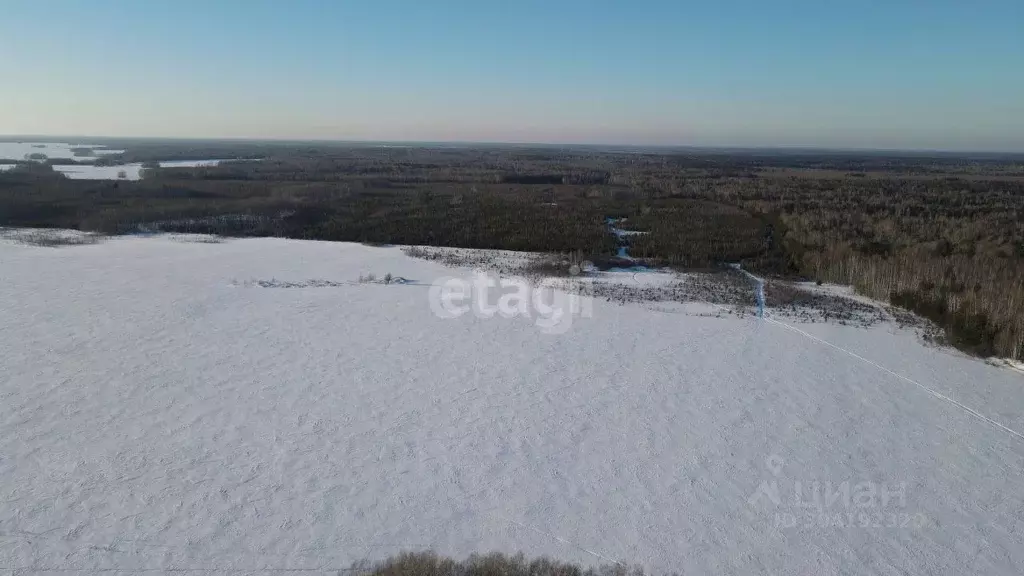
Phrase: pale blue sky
(936, 74)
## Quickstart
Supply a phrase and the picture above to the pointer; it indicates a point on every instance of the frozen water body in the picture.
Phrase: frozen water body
(190, 163)
(131, 171)
(19, 151)
(622, 238)
(158, 412)
(89, 172)
(58, 150)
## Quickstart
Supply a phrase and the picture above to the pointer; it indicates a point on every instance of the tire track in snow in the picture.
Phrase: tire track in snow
(932, 391)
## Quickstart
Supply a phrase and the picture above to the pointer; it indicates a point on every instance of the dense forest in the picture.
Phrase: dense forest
(939, 234)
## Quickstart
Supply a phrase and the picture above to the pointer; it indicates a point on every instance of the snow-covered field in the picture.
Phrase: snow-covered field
(160, 409)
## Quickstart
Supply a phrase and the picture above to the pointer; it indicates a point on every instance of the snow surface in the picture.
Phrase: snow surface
(1013, 364)
(160, 409)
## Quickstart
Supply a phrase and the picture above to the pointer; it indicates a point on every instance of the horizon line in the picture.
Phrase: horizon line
(427, 143)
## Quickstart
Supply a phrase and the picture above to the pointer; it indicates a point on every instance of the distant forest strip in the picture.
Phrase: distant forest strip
(940, 235)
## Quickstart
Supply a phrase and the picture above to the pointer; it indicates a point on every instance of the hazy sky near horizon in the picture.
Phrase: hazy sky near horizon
(935, 74)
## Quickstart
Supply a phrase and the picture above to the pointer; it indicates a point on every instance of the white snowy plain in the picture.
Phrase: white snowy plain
(159, 412)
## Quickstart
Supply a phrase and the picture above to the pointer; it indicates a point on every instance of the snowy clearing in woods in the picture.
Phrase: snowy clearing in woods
(165, 404)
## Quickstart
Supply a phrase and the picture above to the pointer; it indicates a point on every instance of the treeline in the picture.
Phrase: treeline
(950, 249)
(534, 218)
